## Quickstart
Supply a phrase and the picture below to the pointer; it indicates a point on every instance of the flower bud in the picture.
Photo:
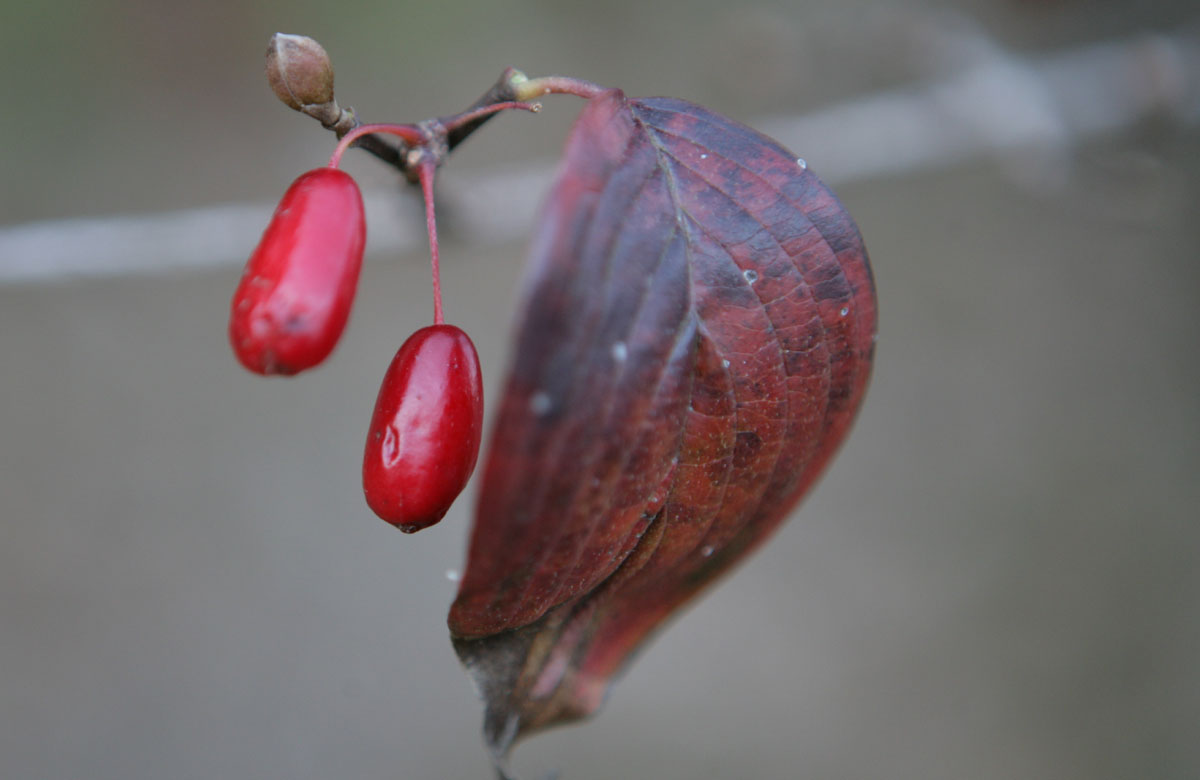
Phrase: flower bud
(299, 71)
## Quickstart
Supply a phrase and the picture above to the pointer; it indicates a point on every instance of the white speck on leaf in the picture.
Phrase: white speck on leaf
(540, 403)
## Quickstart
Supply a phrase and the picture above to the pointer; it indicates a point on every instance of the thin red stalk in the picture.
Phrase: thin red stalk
(408, 133)
(425, 170)
(458, 120)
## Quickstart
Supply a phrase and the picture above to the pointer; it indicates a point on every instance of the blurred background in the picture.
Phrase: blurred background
(996, 579)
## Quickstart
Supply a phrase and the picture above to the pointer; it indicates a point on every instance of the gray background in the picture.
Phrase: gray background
(997, 578)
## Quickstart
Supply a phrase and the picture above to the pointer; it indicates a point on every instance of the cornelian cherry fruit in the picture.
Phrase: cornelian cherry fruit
(425, 430)
(295, 294)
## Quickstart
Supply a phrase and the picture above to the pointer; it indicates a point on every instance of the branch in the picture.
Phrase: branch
(999, 106)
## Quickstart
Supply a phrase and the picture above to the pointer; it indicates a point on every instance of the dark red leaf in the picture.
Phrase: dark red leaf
(698, 334)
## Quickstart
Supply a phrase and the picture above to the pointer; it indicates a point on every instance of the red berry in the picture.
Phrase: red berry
(294, 297)
(425, 431)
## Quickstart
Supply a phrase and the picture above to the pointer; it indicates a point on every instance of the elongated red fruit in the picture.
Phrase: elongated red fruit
(425, 431)
(294, 297)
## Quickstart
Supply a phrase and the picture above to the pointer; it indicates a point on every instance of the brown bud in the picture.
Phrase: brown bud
(299, 71)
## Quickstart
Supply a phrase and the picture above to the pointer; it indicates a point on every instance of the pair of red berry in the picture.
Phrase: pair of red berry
(292, 305)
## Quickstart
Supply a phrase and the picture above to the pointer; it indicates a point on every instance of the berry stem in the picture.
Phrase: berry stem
(392, 154)
(426, 168)
(410, 134)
